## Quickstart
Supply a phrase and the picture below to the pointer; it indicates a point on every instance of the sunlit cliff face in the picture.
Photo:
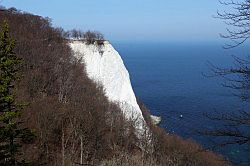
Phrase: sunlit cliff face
(105, 66)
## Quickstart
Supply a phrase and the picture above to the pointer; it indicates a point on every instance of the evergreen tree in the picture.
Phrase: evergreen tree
(11, 132)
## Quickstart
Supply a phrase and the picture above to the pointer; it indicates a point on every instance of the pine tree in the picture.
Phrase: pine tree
(11, 132)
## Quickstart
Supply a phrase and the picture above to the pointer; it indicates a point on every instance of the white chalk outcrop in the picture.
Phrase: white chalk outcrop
(105, 66)
(155, 119)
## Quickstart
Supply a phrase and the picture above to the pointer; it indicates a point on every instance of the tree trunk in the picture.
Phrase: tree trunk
(81, 162)
(63, 148)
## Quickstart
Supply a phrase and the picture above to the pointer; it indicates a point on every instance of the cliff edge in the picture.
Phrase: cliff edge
(105, 66)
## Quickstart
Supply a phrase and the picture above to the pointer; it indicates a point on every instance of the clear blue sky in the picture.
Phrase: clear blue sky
(133, 20)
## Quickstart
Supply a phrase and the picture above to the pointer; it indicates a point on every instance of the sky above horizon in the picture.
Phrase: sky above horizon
(132, 20)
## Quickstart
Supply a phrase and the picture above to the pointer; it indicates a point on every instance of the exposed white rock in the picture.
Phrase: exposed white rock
(105, 66)
(155, 119)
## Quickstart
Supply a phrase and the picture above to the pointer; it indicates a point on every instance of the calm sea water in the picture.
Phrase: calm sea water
(169, 79)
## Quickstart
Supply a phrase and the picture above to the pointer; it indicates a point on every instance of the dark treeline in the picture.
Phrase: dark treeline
(73, 121)
(90, 36)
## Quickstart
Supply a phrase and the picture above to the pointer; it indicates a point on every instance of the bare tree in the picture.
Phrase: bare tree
(99, 35)
(235, 127)
(90, 37)
(75, 34)
(93, 36)
(238, 21)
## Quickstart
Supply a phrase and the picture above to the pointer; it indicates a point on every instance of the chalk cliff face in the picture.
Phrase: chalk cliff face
(105, 66)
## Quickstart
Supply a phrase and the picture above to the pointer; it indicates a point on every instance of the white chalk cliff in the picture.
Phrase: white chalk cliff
(105, 66)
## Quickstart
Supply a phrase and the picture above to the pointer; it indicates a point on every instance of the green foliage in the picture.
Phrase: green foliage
(11, 133)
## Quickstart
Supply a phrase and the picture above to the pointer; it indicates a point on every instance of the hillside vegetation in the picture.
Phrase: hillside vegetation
(73, 122)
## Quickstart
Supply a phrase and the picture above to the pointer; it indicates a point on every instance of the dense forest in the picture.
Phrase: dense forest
(71, 120)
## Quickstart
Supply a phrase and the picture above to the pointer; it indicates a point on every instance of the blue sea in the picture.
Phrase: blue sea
(171, 79)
